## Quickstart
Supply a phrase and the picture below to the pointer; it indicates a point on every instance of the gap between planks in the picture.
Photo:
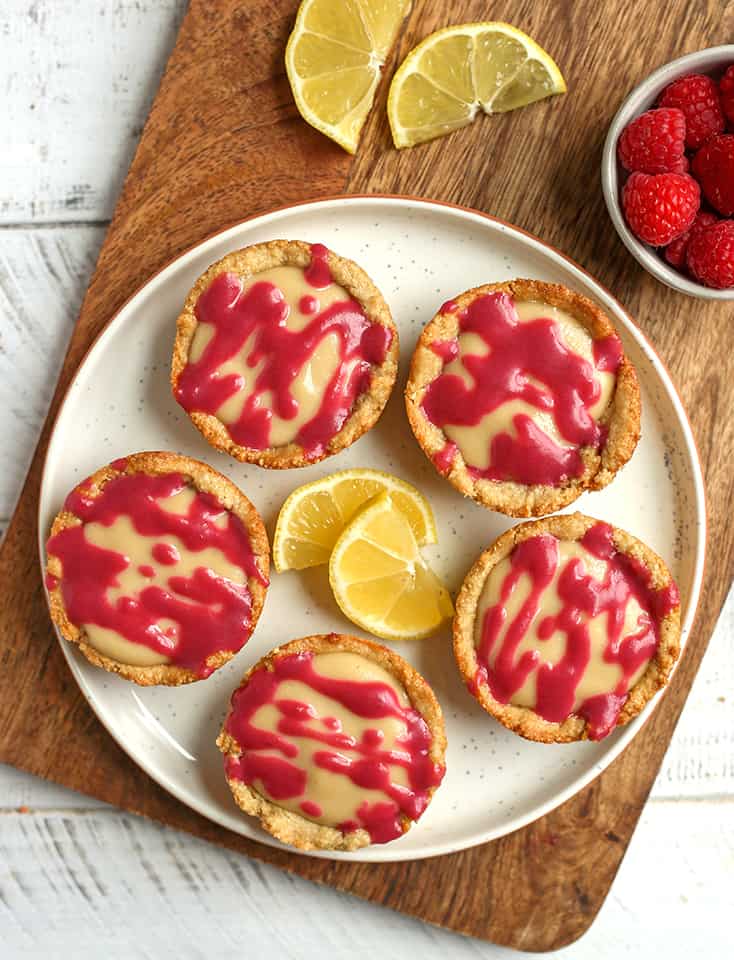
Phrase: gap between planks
(53, 224)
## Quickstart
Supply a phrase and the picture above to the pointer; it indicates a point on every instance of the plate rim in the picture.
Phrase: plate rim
(382, 854)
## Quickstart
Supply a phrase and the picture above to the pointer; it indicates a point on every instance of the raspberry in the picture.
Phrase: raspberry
(726, 92)
(675, 252)
(660, 207)
(654, 142)
(713, 167)
(698, 97)
(710, 255)
(681, 166)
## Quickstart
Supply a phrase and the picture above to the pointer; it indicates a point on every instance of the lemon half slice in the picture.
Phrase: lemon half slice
(454, 73)
(333, 60)
(380, 580)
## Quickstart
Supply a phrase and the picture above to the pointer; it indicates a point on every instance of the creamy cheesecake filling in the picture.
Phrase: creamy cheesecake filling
(521, 392)
(568, 627)
(156, 573)
(333, 737)
(282, 357)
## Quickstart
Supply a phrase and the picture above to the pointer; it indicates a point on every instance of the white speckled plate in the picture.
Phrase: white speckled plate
(419, 253)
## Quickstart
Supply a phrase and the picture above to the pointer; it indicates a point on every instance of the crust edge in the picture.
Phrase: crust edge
(523, 720)
(203, 478)
(622, 416)
(290, 827)
(368, 407)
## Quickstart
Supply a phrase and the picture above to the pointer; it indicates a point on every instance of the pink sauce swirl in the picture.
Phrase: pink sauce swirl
(519, 354)
(447, 350)
(211, 613)
(582, 598)
(263, 310)
(364, 761)
(444, 458)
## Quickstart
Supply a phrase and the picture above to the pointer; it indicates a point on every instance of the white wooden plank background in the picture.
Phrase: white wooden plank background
(79, 878)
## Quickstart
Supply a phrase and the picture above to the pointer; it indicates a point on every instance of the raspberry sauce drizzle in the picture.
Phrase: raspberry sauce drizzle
(263, 311)
(582, 598)
(444, 458)
(318, 273)
(521, 353)
(211, 613)
(447, 350)
(363, 761)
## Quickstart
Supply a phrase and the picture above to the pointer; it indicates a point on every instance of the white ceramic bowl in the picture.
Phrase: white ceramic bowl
(643, 97)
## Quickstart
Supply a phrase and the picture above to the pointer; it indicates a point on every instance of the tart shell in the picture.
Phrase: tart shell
(622, 416)
(524, 720)
(291, 827)
(368, 406)
(205, 480)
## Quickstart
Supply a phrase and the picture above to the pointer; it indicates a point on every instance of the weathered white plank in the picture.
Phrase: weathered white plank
(671, 898)
(43, 276)
(78, 80)
(700, 760)
(21, 791)
(106, 885)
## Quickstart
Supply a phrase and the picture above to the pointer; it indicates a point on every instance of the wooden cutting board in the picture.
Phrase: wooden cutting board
(224, 141)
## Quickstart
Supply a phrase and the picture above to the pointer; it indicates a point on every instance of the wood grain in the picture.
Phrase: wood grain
(224, 141)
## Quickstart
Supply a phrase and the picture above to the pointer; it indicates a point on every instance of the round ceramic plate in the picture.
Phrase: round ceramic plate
(419, 254)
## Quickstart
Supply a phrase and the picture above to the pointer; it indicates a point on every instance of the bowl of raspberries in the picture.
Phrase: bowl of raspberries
(668, 173)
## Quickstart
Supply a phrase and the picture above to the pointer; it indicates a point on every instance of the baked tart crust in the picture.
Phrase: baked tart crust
(289, 826)
(368, 406)
(621, 417)
(203, 479)
(524, 720)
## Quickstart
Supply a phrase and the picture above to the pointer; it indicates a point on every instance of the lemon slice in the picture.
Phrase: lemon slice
(452, 74)
(333, 60)
(380, 580)
(312, 518)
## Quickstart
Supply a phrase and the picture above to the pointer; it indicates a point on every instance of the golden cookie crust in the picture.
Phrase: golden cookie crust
(290, 827)
(622, 416)
(204, 479)
(368, 406)
(524, 720)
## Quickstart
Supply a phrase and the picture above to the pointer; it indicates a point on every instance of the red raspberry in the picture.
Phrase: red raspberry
(675, 252)
(660, 207)
(681, 166)
(713, 167)
(698, 97)
(726, 92)
(654, 142)
(710, 255)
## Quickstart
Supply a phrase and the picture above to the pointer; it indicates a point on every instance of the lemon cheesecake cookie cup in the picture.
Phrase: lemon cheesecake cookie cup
(285, 354)
(333, 743)
(521, 395)
(566, 627)
(157, 568)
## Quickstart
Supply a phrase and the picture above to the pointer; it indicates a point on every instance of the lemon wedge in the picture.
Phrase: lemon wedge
(333, 60)
(380, 580)
(314, 515)
(454, 73)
